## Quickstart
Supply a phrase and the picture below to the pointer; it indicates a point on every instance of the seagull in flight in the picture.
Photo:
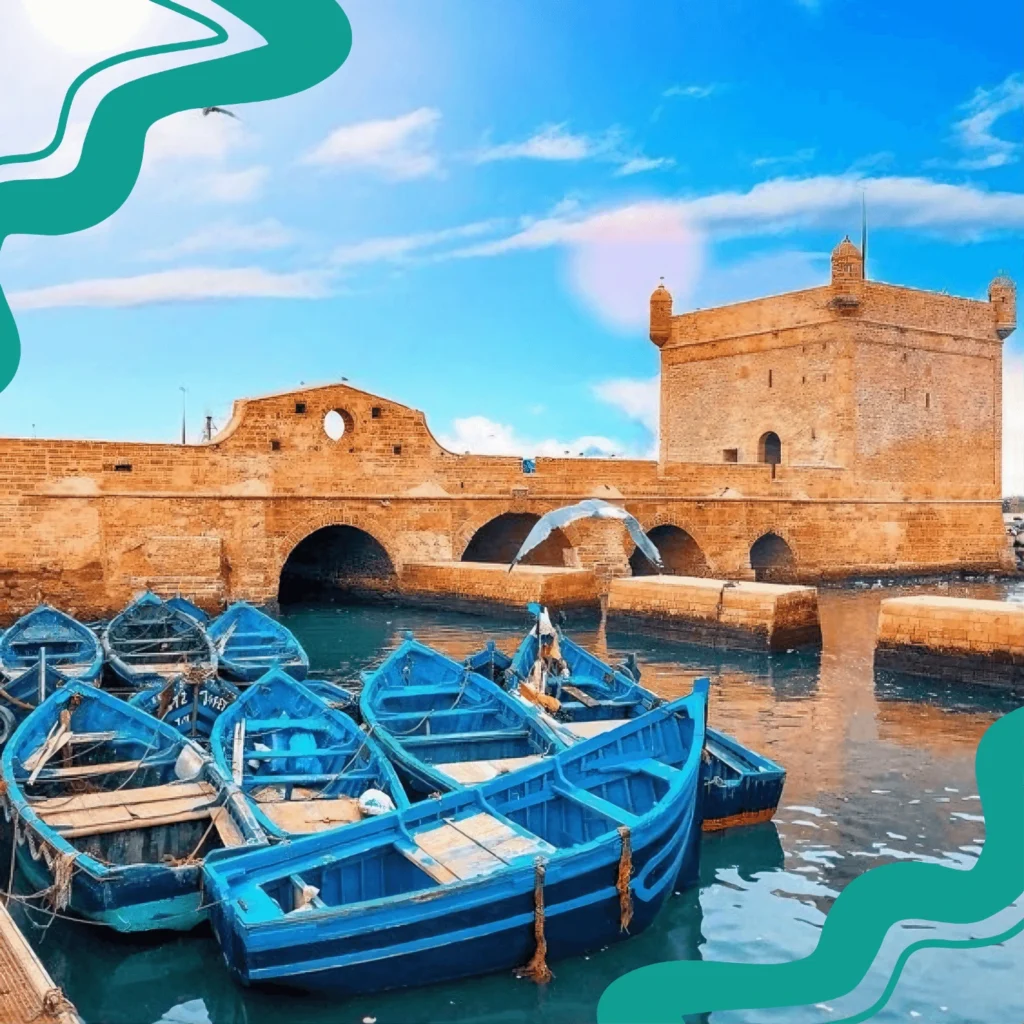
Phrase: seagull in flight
(218, 110)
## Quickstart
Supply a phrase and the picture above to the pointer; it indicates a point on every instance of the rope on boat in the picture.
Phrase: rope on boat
(14, 700)
(62, 865)
(54, 1004)
(537, 969)
(622, 882)
(543, 700)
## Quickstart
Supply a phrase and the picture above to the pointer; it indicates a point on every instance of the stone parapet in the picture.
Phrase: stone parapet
(719, 613)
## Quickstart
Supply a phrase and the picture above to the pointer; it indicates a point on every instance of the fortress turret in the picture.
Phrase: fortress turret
(661, 315)
(847, 263)
(1002, 293)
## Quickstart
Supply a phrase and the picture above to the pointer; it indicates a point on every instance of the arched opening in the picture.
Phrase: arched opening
(772, 560)
(337, 563)
(500, 539)
(679, 551)
(769, 448)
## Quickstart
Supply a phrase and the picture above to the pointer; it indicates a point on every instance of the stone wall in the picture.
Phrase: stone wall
(959, 640)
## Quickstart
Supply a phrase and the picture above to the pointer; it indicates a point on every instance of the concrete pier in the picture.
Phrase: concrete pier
(485, 588)
(717, 613)
(27, 992)
(954, 639)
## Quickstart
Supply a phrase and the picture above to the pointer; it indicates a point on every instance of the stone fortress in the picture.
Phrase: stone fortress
(844, 430)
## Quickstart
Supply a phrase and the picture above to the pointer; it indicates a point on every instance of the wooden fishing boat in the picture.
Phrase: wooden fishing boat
(303, 764)
(70, 647)
(249, 643)
(22, 695)
(741, 786)
(152, 641)
(190, 705)
(566, 855)
(490, 663)
(444, 726)
(115, 811)
(183, 604)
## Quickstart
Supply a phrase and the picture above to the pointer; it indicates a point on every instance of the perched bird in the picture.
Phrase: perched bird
(218, 110)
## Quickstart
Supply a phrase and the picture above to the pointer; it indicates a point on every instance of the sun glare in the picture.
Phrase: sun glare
(88, 26)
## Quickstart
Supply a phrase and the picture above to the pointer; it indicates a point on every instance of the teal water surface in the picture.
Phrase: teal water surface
(879, 770)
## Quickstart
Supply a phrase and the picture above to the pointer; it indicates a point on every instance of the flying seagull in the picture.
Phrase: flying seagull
(218, 110)
(591, 508)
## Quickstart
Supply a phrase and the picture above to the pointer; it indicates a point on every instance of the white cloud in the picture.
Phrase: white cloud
(242, 186)
(226, 236)
(482, 436)
(188, 284)
(764, 273)
(638, 399)
(1013, 423)
(552, 142)
(801, 156)
(639, 164)
(693, 92)
(396, 248)
(976, 134)
(401, 148)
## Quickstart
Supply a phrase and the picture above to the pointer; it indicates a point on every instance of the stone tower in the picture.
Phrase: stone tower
(1002, 293)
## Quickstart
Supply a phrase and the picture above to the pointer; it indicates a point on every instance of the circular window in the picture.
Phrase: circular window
(336, 423)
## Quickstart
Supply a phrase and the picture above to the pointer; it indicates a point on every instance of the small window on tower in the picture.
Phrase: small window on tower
(275, 445)
(769, 378)
(397, 449)
(375, 412)
(730, 455)
(300, 407)
(927, 400)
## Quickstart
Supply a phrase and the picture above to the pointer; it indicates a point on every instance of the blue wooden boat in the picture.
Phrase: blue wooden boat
(183, 604)
(249, 642)
(446, 727)
(151, 641)
(564, 856)
(741, 786)
(22, 695)
(191, 706)
(490, 663)
(303, 764)
(116, 811)
(69, 646)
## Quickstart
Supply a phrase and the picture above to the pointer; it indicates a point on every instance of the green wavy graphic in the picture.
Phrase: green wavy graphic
(860, 917)
(304, 43)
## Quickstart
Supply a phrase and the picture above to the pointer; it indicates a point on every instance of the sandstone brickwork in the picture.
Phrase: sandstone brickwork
(955, 639)
(717, 613)
(862, 482)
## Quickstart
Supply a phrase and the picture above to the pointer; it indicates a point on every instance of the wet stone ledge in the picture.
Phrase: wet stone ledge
(717, 613)
(952, 639)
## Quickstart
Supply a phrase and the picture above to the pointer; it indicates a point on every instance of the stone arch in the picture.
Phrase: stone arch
(772, 559)
(679, 549)
(769, 448)
(498, 539)
(336, 558)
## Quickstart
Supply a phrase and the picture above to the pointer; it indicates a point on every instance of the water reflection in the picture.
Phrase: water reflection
(879, 769)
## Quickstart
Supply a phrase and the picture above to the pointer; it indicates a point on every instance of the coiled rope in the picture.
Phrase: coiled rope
(622, 882)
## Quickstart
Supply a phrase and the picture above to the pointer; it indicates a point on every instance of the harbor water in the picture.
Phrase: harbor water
(879, 770)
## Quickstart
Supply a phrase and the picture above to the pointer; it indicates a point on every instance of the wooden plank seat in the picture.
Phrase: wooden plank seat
(577, 694)
(93, 813)
(475, 845)
(279, 755)
(253, 725)
(313, 815)
(456, 737)
(595, 727)
(595, 803)
(469, 773)
(88, 771)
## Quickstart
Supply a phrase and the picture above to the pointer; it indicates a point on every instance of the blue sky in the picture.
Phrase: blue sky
(469, 216)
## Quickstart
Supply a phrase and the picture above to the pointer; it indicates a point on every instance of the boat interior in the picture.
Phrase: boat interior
(124, 796)
(158, 639)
